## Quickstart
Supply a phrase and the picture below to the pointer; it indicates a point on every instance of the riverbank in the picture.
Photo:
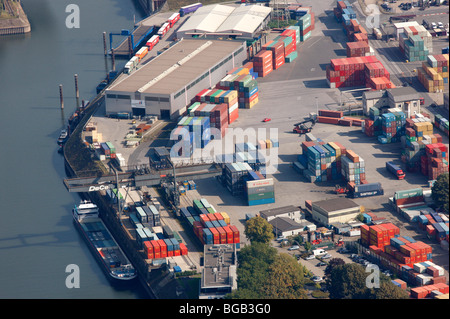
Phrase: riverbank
(16, 25)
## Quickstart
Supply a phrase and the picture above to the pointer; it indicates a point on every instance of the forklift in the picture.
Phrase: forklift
(304, 126)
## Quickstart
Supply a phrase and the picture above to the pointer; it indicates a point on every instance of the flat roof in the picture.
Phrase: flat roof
(285, 224)
(279, 210)
(220, 262)
(177, 67)
(332, 205)
(218, 18)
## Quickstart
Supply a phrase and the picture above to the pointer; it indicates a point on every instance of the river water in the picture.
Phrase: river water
(37, 237)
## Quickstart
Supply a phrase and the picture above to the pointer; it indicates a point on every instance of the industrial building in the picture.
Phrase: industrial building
(165, 85)
(291, 212)
(331, 211)
(284, 226)
(405, 98)
(219, 272)
(214, 21)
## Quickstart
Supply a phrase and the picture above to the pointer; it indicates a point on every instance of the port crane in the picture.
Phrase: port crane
(305, 126)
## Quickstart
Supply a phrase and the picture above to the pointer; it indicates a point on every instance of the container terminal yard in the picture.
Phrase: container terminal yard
(328, 128)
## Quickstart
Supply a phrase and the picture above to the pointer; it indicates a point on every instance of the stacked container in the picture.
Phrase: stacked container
(209, 226)
(356, 49)
(305, 24)
(234, 175)
(246, 86)
(352, 72)
(378, 235)
(277, 48)
(415, 42)
(200, 129)
(259, 189)
(393, 127)
(321, 161)
(434, 72)
(353, 168)
(441, 123)
(436, 161)
(262, 63)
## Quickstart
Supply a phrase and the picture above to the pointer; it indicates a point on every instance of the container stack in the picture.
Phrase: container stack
(434, 72)
(393, 127)
(436, 225)
(259, 190)
(245, 85)
(163, 248)
(357, 49)
(262, 63)
(221, 96)
(321, 162)
(353, 168)
(306, 25)
(378, 235)
(441, 123)
(418, 133)
(277, 49)
(430, 291)
(210, 227)
(435, 162)
(349, 72)
(200, 129)
(415, 42)
(289, 38)
(234, 177)
(339, 10)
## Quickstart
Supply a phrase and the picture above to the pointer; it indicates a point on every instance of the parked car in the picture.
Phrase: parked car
(434, 25)
(440, 25)
(326, 256)
(310, 257)
(317, 279)
(294, 247)
(320, 264)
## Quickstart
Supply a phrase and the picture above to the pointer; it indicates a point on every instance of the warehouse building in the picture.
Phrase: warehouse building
(292, 212)
(285, 226)
(332, 211)
(219, 273)
(218, 21)
(166, 84)
(405, 98)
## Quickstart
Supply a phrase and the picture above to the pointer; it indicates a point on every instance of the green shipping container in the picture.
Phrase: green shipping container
(408, 193)
(261, 196)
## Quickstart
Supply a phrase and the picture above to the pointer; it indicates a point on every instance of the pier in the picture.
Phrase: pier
(18, 23)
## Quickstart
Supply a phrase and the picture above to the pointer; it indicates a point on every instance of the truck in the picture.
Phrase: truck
(377, 33)
(364, 190)
(395, 169)
(319, 252)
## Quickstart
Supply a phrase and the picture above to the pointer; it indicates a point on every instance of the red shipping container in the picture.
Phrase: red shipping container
(222, 235)
(183, 249)
(216, 237)
(163, 246)
(328, 120)
(177, 252)
(236, 235)
(229, 234)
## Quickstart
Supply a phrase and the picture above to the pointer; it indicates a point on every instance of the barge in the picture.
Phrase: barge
(100, 241)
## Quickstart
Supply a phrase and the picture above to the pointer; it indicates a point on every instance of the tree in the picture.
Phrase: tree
(257, 229)
(388, 290)
(285, 279)
(253, 265)
(348, 281)
(307, 245)
(439, 192)
(333, 263)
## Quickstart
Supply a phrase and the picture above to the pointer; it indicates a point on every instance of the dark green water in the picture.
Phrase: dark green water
(37, 237)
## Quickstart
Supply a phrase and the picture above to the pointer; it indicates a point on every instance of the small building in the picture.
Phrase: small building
(292, 212)
(219, 272)
(284, 226)
(338, 210)
(405, 98)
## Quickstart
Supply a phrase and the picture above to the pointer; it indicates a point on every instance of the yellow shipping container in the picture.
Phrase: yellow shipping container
(268, 143)
(226, 217)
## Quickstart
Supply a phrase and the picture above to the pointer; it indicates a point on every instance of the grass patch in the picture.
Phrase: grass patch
(320, 294)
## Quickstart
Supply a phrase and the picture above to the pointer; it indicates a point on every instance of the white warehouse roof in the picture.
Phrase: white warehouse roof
(225, 19)
(245, 19)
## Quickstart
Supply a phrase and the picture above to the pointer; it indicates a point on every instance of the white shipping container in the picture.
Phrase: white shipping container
(260, 183)
(418, 267)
